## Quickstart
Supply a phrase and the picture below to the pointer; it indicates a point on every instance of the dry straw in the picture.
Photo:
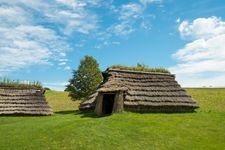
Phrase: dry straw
(144, 91)
(23, 100)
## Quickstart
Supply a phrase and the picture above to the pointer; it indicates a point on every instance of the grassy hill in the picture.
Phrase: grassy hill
(60, 102)
(69, 129)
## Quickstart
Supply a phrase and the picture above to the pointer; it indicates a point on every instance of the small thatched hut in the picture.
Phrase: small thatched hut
(140, 92)
(23, 101)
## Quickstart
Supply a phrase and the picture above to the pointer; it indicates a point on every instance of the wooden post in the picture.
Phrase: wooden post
(98, 106)
(118, 102)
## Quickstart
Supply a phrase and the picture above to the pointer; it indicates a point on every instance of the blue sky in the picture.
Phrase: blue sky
(45, 40)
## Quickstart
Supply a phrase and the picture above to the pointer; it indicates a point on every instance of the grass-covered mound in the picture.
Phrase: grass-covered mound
(60, 101)
(5, 82)
(69, 129)
(139, 67)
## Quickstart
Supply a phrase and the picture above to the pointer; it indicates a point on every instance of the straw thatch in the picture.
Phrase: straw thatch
(23, 101)
(141, 92)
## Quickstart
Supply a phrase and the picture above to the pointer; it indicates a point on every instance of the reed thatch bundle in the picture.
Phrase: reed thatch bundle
(23, 101)
(144, 92)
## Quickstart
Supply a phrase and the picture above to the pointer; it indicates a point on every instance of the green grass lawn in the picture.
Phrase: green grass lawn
(68, 129)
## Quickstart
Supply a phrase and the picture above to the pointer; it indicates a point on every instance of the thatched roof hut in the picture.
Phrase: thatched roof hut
(140, 92)
(23, 101)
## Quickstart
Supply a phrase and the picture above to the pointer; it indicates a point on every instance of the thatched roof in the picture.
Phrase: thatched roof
(25, 101)
(144, 90)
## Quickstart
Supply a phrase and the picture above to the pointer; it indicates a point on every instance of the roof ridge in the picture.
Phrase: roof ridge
(140, 72)
(21, 87)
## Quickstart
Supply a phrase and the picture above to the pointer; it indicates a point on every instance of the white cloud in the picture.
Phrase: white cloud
(106, 43)
(198, 80)
(178, 20)
(63, 60)
(43, 28)
(69, 15)
(72, 3)
(23, 46)
(145, 25)
(58, 86)
(145, 2)
(202, 28)
(202, 61)
(131, 17)
(63, 54)
(67, 68)
(130, 11)
(122, 29)
(23, 43)
(74, 21)
(12, 16)
(62, 63)
(128, 15)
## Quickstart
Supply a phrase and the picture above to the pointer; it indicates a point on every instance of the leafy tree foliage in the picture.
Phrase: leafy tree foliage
(85, 80)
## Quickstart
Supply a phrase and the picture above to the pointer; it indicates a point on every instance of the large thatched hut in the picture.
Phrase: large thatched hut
(140, 92)
(23, 101)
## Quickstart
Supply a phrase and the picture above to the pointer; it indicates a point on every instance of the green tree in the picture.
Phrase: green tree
(85, 80)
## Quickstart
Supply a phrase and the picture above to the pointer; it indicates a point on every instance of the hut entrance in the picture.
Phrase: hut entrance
(107, 104)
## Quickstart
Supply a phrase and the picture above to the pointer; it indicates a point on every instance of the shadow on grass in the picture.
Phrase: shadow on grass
(82, 114)
(66, 112)
(86, 114)
(24, 115)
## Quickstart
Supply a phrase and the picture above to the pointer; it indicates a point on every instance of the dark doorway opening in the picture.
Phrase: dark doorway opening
(107, 104)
